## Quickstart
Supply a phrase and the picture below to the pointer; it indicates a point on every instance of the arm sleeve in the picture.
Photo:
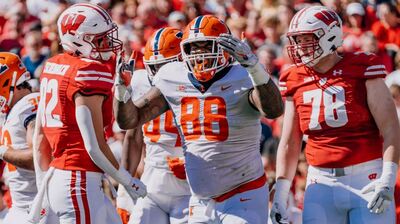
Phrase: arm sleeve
(85, 124)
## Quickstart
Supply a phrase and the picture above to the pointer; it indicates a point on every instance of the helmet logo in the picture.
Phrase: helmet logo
(71, 22)
(3, 68)
(327, 17)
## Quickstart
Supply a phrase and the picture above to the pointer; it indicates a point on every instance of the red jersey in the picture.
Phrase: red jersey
(63, 76)
(333, 110)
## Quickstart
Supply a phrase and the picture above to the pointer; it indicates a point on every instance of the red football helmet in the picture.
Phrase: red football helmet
(200, 50)
(162, 47)
(12, 74)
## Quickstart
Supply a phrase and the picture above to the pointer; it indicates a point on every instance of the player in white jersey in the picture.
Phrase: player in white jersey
(19, 105)
(217, 106)
(168, 193)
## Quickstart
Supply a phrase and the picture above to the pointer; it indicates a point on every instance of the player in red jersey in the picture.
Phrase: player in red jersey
(75, 107)
(342, 104)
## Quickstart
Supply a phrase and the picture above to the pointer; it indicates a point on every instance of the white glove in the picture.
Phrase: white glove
(133, 186)
(239, 49)
(279, 213)
(3, 149)
(136, 189)
(123, 75)
(382, 188)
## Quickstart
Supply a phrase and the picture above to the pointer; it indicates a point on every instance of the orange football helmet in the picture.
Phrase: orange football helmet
(12, 74)
(209, 58)
(162, 47)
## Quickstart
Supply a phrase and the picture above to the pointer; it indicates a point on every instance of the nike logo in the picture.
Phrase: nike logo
(225, 87)
(244, 199)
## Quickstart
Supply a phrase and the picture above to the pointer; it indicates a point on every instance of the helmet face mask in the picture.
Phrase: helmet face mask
(319, 22)
(87, 31)
(304, 52)
(204, 58)
(103, 45)
(200, 51)
(163, 47)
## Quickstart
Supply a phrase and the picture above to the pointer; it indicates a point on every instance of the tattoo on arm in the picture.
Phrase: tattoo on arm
(132, 115)
(151, 105)
(267, 99)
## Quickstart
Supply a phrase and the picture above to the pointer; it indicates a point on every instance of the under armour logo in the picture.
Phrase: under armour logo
(135, 187)
(372, 176)
(313, 181)
(337, 72)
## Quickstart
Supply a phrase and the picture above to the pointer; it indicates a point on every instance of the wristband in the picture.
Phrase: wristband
(122, 176)
(122, 93)
(389, 172)
(258, 75)
(282, 188)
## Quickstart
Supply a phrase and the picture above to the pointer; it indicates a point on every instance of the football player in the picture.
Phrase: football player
(19, 105)
(217, 105)
(168, 193)
(342, 104)
(75, 107)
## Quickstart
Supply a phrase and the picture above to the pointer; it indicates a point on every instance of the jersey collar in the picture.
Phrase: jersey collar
(204, 86)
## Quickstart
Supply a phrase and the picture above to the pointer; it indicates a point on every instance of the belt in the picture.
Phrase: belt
(254, 184)
(339, 172)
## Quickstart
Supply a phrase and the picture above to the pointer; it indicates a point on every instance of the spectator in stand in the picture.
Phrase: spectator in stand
(177, 20)
(46, 10)
(354, 27)
(269, 23)
(147, 14)
(237, 26)
(369, 43)
(105, 4)
(253, 31)
(34, 58)
(285, 14)
(266, 56)
(131, 8)
(164, 8)
(119, 16)
(387, 29)
(191, 9)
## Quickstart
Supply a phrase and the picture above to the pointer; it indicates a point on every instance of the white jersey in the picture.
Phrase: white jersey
(220, 128)
(22, 182)
(162, 140)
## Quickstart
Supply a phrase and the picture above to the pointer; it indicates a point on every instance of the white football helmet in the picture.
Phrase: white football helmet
(87, 31)
(324, 24)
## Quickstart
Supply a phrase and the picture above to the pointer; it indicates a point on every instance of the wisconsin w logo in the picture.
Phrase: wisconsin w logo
(327, 17)
(71, 22)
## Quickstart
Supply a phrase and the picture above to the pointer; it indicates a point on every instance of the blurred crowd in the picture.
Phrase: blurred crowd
(28, 28)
